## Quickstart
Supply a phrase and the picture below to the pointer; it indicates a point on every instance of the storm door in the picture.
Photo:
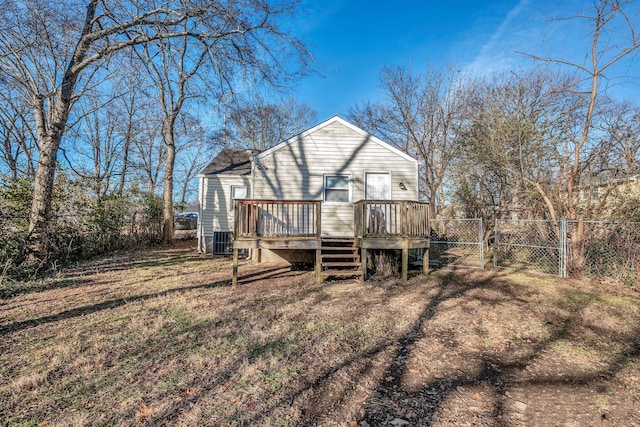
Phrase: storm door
(378, 187)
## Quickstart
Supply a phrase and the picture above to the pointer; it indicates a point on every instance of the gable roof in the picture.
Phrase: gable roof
(231, 161)
(332, 120)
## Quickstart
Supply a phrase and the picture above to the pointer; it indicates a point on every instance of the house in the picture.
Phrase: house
(333, 186)
(613, 182)
(224, 179)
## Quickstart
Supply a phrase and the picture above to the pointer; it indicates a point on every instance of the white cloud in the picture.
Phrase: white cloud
(500, 52)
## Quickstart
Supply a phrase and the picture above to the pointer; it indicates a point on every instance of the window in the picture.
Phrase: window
(237, 192)
(337, 189)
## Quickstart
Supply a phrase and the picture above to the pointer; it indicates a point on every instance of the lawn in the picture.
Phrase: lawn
(159, 337)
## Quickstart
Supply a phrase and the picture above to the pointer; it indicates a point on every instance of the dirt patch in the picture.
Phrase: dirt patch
(161, 338)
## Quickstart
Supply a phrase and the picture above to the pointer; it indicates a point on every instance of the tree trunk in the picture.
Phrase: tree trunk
(40, 216)
(547, 201)
(125, 161)
(49, 138)
(167, 196)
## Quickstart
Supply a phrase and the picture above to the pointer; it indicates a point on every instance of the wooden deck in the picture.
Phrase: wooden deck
(392, 224)
(296, 225)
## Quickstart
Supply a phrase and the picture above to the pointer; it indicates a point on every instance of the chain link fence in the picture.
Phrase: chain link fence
(599, 249)
(605, 250)
(457, 242)
(531, 245)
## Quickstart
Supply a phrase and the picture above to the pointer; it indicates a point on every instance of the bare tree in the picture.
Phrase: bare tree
(50, 51)
(260, 124)
(132, 107)
(148, 152)
(621, 128)
(191, 159)
(97, 147)
(613, 39)
(515, 129)
(418, 114)
(172, 64)
(17, 139)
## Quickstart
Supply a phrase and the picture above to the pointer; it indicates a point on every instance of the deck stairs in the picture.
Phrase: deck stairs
(340, 258)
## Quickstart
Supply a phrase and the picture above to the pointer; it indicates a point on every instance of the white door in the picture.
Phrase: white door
(377, 186)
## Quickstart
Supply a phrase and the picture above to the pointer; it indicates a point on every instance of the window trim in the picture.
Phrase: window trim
(349, 188)
(231, 198)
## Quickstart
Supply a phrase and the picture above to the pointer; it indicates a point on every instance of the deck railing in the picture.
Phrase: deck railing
(383, 218)
(277, 218)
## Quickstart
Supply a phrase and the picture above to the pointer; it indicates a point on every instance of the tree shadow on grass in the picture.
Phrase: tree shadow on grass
(12, 290)
(262, 274)
(392, 399)
(136, 260)
(319, 393)
(75, 277)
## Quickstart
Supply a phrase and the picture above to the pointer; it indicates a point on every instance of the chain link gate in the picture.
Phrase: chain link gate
(537, 246)
(457, 242)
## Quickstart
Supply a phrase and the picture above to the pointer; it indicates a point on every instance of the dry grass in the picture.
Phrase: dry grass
(160, 338)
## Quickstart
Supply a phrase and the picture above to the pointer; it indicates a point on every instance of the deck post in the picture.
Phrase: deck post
(405, 264)
(425, 261)
(318, 266)
(234, 281)
(363, 261)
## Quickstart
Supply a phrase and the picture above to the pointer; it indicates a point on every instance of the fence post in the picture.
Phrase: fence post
(481, 242)
(495, 244)
(563, 248)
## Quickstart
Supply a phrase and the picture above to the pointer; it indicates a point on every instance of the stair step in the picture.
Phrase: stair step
(341, 264)
(340, 258)
(343, 273)
(351, 255)
(337, 248)
(333, 261)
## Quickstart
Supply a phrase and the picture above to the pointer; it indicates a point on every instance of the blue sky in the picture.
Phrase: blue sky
(353, 40)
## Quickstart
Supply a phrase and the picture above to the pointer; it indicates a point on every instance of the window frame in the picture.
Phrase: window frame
(349, 188)
(232, 199)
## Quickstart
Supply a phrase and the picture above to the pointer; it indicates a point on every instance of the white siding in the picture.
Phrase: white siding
(296, 171)
(217, 213)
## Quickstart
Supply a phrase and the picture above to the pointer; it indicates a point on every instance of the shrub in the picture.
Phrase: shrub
(81, 224)
(15, 203)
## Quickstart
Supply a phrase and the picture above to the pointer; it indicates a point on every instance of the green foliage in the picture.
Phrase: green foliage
(82, 225)
(15, 202)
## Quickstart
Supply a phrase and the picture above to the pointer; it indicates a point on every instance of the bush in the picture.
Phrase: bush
(15, 202)
(81, 224)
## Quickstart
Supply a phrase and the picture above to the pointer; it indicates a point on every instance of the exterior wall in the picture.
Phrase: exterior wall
(216, 206)
(296, 172)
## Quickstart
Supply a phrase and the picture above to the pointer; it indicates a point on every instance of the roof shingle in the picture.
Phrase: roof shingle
(231, 161)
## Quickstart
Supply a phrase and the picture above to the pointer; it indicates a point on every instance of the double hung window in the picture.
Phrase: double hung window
(337, 189)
